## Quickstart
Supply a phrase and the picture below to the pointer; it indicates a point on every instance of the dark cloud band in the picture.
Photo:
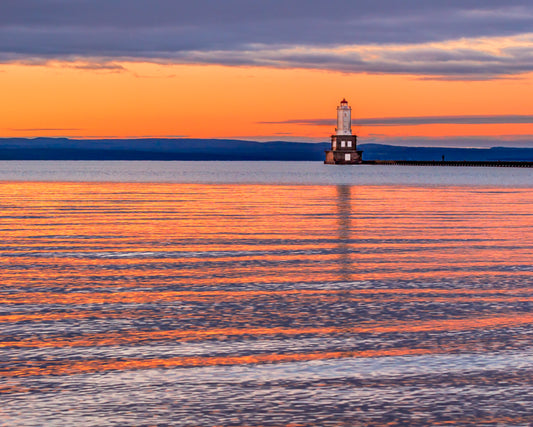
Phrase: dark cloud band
(275, 33)
(421, 120)
(43, 129)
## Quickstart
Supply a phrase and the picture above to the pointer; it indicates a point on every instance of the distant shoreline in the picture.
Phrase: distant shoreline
(183, 149)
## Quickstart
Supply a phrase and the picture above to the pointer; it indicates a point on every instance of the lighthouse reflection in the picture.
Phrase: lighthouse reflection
(344, 224)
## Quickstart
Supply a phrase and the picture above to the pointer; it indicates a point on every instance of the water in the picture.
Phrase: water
(264, 294)
(262, 173)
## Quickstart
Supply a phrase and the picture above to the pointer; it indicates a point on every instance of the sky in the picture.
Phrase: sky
(415, 72)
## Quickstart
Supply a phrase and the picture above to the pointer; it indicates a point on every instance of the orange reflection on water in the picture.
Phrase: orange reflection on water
(327, 233)
(89, 366)
(100, 277)
(79, 315)
(135, 336)
(139, 297)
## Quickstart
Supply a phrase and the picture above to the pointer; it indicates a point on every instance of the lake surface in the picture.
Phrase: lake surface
(265, 294)
(266, 172)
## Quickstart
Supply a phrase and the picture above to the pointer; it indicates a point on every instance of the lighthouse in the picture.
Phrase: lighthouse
(343, 143)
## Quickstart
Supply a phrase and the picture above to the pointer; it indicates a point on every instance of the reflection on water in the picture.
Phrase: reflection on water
(344, 211)
(265, 305)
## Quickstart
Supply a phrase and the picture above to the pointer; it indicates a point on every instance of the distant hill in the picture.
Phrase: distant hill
(229, 149)
(156, 149)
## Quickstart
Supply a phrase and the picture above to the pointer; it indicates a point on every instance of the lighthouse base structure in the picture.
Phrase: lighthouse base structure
(343, 151)
(343, 157)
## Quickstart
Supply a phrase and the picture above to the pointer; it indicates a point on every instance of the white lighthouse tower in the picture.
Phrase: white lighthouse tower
(344, 119)
(343, 143)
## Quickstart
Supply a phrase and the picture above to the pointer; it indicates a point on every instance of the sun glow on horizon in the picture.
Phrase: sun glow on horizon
(135, 100)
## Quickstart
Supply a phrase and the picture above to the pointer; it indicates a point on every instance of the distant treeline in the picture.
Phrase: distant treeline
(229, 149)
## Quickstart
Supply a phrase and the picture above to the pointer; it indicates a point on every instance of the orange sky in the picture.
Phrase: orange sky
(213, 101)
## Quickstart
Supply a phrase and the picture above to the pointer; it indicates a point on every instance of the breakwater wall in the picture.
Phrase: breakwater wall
(498, 164)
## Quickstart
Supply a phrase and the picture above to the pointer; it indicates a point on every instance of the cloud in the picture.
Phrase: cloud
(464, 120)
(106, 66)
(43, 129)
(441, 60)
(418, 120)
(279, 21)
(454, 39)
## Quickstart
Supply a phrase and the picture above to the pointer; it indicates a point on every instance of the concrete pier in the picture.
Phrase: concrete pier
(497, 164)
